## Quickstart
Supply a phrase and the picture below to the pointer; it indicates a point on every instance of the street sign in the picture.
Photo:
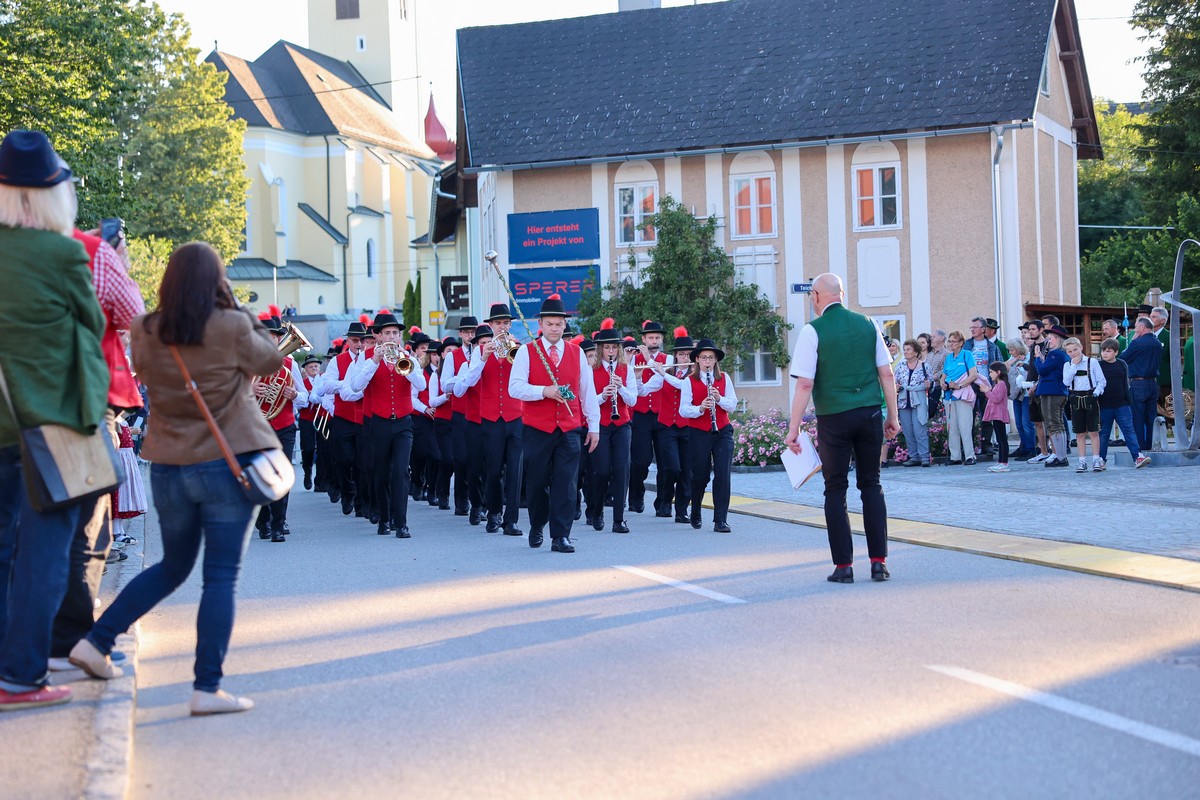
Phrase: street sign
(801, 288)
(437, 317)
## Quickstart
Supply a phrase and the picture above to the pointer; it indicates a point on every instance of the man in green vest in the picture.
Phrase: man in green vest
(842, 365)
(1159, 316)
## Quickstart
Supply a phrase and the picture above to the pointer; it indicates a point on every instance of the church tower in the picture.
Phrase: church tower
(379, 37)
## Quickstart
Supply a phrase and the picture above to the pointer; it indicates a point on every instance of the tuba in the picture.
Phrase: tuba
(273, 402)
(396, 358)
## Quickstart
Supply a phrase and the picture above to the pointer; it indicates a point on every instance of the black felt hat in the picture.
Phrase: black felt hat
(682, 340)
(468, 323)
(553, 306)
(483, 331)
(27, 160)
(449, 341)
(1145, 308)
(417, 337)
(359, 327)
(1059, 331)
(272, 319)
(313, 359)
(991, 323)
(607, 336)
(707, 344)
(385, 319)
(650, 326)
(499, 311)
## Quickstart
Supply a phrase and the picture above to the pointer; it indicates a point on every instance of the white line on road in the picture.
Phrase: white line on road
(687, 587)
(1150, 733)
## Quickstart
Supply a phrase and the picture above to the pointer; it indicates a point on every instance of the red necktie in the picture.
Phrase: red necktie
(554, 356)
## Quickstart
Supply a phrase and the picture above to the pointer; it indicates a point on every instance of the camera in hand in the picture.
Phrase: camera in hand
(112, 230)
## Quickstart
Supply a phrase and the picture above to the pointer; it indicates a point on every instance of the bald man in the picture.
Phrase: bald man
(843, 366)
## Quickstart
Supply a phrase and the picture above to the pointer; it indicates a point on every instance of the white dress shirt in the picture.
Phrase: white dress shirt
(1079, 383)
(728, 401)
(446, 375)
(804, 358)
(364, 369)
(519, 387)
(628, 388)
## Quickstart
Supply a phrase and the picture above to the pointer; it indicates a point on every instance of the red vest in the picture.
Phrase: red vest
(668, 404)
(458, 405)
(351, 412)
(472, 398)
(287, 417)
(546, 415)
(648, 403)
(387, 394)
(423, 395)
(309, 412)
(600, 377)
(494, 400)
(122, 387)
(445, 410)
(699, 392)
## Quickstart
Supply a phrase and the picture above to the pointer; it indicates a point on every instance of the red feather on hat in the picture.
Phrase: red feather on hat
(595, 334)
(265, 316)
(338, 342)
(555, 296)
(414, 329)
(680, 331)
(385, 311)
(365, 319)
(577, 340)
(608, 324)
(274, 309)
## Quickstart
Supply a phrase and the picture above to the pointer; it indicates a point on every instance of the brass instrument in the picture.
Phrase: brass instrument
(397, 358)
(614, 381)
(272, 401)
(714, 396)
(506, 346)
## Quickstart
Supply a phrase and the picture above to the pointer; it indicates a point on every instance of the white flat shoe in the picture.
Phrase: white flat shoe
(85, 656)
(219, 702)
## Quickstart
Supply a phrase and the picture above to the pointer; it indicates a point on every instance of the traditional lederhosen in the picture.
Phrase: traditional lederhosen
(710, 446)
(610, 461)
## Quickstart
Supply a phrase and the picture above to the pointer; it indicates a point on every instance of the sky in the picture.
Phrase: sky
(1109, 44)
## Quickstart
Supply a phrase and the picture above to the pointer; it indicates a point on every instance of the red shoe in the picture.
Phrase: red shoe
(34, 698)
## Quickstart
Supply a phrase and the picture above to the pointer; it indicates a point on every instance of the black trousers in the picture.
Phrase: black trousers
(425, 453)
(442, 429)
(343, 441)
(711, 452)
(858, 433)
(468, 464)
(391, 447)
(273, 516)
(610, 471)
(324, 480)
(365, 501)
(503, 454)
(675, 469)
(551, 474)
(308, 446)
(641, 453)
(89, 549)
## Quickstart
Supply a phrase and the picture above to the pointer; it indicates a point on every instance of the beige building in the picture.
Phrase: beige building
(341, 177)
(935, 173)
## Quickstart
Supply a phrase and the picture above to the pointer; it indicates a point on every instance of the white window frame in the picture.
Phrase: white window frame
(761, 358)
(634, 276)
(875, 168)
(754, 257)
(881, 319)
(639, 216)
(754, 233)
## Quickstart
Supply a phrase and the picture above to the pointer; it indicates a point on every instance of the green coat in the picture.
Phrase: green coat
(51, 324)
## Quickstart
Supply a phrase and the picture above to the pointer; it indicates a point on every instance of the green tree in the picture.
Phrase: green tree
(691, 281)
(1171, 29)
(147, 262)
(412, 315)
(1112, 189)
(420, 313)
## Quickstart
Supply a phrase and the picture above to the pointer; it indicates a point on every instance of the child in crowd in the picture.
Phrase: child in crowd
(129, 500)
(995, 413)
(1085, 384)
(1114, 404)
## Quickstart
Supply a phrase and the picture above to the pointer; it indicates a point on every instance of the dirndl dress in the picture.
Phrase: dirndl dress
(129, 499)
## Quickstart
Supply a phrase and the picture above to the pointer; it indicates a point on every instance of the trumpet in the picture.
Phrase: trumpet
(506, 346)
(396, 358)
(272, 401)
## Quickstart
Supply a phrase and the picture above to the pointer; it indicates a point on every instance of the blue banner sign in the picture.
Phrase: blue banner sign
(545, 236)
(532, 286)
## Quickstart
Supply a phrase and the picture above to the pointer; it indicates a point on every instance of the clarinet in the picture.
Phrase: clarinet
(712, 411)
(612, 377)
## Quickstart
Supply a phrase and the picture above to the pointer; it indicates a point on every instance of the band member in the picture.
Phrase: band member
(588, 346)
(365, 505)
(616, 388)
(289, 387)
(326, 477)
(674, 468)
(306, 418)
(424, 450)
(645, 417)
(387, 377)
(466, 495)
(550, 376)
(707, 399)
(442, 422)
(490, 369)
(347, 413)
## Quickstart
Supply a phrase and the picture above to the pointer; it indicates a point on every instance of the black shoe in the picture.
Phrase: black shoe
(620, 527)
(460, 512)
(347, 506)
(842, 575)
(473, 516)
(493, 523)
(562, 546)
(443, 505)
(912, 462)
(308, 482)
(696, 522)
(682, 518)
(433, 502)
(598, 523)
(879, 571)
(513, 530)
(373, 518)
(263, 533)
(284, 529)
(954, 463)
(663, 514)
(277, 536)
(402, 532)
(535, 538)
(335, 497)
(970, 462)
(382, 529)
(637, 508)
(358, 512)
(721, 527)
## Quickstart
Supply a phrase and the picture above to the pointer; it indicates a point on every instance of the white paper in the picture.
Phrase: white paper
(803, 466)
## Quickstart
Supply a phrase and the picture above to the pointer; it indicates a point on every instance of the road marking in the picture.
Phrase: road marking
(1141, 730)
(687, 587)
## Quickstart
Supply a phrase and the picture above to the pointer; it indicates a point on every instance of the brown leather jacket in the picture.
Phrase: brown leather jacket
(235, 348)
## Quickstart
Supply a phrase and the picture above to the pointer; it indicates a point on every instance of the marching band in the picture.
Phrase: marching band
(564, 427)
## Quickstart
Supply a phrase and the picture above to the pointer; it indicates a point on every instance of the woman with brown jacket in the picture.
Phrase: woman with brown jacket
(195, 493)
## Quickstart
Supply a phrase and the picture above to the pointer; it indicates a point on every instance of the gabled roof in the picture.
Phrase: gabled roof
(259, 269)
(295, 89)
(745, 72)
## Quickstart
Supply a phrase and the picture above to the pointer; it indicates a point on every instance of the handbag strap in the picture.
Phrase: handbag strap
(8, 399)
(222, 443)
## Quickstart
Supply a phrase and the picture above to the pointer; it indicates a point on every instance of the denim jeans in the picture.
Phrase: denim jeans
(197, 502)
(34, 562)
(1124, 419)
(1024, 425)
(1144, 408)
(916, 435)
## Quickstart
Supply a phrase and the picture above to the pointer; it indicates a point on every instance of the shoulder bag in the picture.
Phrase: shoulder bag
(63, 467)
(268, 475)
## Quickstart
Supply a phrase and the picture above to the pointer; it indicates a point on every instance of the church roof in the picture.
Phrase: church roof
(435, 134)
(292, 88)
(749, 72)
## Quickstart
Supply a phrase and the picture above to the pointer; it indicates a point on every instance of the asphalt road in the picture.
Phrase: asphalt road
(459, 664)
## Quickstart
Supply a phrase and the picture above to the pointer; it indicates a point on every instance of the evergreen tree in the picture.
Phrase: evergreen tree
(412, 316)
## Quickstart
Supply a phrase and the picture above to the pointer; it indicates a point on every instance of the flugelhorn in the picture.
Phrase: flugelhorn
(397, 358)
(272, 401)
(506, 346)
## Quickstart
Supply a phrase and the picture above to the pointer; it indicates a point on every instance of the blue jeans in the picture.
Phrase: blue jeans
(1143, 407)
(1024, 425)
(1124, 419)
(916, 435)
(34, 562)
(195, 502)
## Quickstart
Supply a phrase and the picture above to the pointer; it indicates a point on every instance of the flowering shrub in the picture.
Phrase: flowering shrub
(758, 440)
